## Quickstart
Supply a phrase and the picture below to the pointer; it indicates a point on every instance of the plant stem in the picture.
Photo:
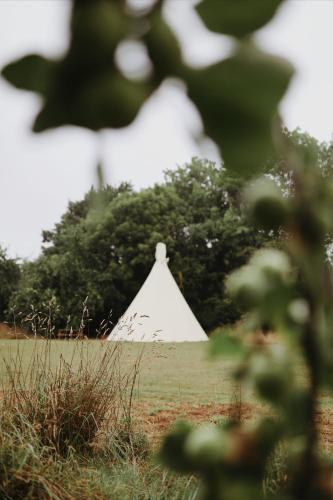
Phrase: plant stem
(308, 466)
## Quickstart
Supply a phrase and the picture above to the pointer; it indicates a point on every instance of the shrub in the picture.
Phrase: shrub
(68, 402)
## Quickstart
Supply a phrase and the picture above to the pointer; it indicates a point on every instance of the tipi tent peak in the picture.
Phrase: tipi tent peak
(159, 311)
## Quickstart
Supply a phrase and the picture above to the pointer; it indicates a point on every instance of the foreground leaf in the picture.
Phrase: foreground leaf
(237, 17)
(108, 100)
(32, 72)
(238, 99)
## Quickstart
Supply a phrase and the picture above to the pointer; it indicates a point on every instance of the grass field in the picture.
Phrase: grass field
(168, 372)
(175, 381)
(171, 376)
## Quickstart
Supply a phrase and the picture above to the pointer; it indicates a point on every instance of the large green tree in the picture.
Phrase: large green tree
(103, 247)
(9, 277)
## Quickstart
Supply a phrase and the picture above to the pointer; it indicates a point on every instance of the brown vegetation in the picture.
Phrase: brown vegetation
(8, 332)
(155, 422)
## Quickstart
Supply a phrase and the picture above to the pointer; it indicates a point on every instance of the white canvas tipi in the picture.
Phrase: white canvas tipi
(159, 311)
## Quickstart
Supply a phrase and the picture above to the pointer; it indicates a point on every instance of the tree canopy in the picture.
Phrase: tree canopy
(9, 278)
(103, 247)
(106, 251)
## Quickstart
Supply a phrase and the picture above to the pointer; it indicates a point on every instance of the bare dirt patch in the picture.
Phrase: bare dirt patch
(156, 421)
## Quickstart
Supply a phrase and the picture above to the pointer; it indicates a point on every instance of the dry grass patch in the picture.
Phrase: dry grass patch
(8, 332)
(70, 405)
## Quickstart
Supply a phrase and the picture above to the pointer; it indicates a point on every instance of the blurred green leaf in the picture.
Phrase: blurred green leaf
(96, 29)
(207, 446)
(237, 17)
(268, 206)
(296, 410)
(272, 376)
(84, 88)
(163, 49)
(238, 99)
(225, 344)
(172, 452)
(268, 432)
(32, 72)
(108, 100)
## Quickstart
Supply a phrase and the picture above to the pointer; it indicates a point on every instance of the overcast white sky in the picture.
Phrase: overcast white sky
(39, 174)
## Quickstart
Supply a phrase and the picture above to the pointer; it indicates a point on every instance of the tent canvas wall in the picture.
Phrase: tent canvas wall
(159, 311)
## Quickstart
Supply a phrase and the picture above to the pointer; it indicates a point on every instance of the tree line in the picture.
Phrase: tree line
(103, 247)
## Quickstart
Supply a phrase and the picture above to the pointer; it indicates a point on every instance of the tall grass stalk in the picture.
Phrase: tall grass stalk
(70, 402)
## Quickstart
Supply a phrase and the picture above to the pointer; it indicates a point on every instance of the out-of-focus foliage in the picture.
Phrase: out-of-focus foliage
(9, 277)
(238, 99)
(238, 17)
(289, 291)
(105, 252)
(88, 86)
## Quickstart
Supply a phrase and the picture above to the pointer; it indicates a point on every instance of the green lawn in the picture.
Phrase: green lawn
(168, 373)
(175, 373)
